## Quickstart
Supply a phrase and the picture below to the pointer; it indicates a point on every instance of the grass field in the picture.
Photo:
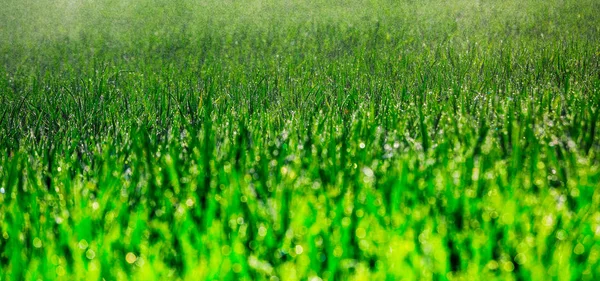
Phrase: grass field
(299, 140)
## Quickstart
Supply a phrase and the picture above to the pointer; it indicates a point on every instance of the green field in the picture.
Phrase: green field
(299, 140)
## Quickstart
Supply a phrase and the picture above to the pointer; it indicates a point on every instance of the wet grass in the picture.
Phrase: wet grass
(291, 141)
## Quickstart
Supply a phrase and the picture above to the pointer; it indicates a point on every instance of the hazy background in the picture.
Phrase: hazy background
(28, 26)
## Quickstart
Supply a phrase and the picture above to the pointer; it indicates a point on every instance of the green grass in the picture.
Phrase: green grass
(288, 140)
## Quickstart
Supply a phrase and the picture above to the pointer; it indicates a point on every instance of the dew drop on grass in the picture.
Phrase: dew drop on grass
(508, 266)
(299, 250)
(360, 213)
(368, 172)
(346, 221)
(237, 268)
(262, 231)
(338, 251)
(492, 265)
(90, 254)
(548, 220)
(521, 258)
(2, 190)
(130, 258)
(361, 233)
(579, 249)
(226, 250)
(561, 235)
(37, 242)
(60, 271)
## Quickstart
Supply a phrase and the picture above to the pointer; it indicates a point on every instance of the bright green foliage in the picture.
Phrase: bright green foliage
(298, 140)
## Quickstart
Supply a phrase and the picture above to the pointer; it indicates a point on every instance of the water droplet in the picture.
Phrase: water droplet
(37, 242)
(361, 233)
(492, 265)
(90, 254)
(60, 271)
(548, 220)
(130, 258)
(338, 251)
(579, 249)
(368, 172)
(83, 244)
(189, 202)
(299, 250)
(262, 231)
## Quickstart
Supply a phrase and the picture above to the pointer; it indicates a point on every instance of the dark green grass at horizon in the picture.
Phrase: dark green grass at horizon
(268, 140)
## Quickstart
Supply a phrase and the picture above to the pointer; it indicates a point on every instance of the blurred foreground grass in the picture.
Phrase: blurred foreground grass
(293, 140)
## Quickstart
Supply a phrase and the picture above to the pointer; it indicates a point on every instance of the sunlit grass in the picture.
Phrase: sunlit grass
(268, 140)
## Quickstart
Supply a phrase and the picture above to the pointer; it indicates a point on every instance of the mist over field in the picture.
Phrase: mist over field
(143, 25)
(299, 140)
